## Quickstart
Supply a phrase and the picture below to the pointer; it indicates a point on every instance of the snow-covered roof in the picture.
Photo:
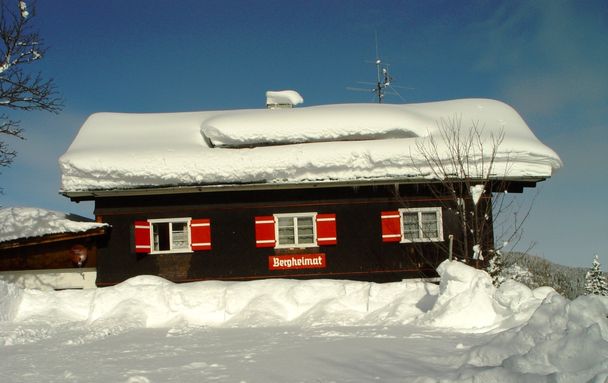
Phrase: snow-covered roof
(318, 144)
(29, 222)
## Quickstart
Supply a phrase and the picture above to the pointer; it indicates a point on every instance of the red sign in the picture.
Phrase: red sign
(298, 261)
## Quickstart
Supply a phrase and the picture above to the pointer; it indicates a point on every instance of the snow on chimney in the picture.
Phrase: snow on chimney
(283, 99)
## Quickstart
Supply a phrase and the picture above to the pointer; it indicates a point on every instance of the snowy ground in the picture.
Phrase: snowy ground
(149, 330)
(193, 354)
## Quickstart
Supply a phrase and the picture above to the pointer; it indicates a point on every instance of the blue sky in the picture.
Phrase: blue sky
(547, 59)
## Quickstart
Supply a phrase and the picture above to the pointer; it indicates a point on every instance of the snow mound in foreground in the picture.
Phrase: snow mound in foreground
(465, 300)
(468, 300)
(564, 340)
(148, 301)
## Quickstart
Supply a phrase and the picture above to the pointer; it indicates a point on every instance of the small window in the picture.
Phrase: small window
(421, 224)
(170, 235)
(296, 230)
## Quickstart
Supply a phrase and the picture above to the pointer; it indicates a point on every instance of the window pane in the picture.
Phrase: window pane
(286, 231)
(286, 236)
(410, 226)
(429, 225)
(285, 222)
(161, 236)
(305, 235)
(305, 230)
(179, 232)
(305, 222)
(305, 239)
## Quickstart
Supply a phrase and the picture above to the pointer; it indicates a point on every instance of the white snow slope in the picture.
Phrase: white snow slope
(314, 144)
(150, 330)
(27, 222)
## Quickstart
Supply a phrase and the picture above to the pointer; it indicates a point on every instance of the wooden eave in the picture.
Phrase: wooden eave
(89, 195)
(49, 238)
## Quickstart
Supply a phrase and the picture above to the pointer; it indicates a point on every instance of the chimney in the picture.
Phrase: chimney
(282, 99)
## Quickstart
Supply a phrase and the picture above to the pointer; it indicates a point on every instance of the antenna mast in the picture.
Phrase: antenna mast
(383, 78)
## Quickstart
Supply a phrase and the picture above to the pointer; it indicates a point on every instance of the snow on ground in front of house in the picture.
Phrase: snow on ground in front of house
(27, 222)
(150, 330)
(325, 143)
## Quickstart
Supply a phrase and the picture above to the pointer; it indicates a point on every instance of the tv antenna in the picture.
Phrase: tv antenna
(383, 80)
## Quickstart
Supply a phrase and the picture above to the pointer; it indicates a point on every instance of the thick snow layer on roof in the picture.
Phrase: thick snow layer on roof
(350, 142)
(27, 222)
(313, 124)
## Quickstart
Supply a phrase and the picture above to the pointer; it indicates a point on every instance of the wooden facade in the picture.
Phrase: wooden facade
(59, 261)
(351, 234)
(53, 251)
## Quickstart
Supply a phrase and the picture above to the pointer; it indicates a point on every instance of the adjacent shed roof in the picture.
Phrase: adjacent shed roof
(319, 144)
(19, 223)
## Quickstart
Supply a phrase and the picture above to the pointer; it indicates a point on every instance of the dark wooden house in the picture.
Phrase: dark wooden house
(42, 248)
(320, 192)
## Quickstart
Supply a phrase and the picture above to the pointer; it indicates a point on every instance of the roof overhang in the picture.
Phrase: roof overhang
(89, 195)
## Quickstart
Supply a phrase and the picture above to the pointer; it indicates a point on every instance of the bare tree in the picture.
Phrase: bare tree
(19, 89)
(467, 175)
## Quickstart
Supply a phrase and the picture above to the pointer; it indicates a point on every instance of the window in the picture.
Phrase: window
(295, 230)
(172, 235)
(412, 225)
(421, 224)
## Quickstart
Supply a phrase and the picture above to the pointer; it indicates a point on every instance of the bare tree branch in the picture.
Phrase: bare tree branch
(19, 89)
(462, 161)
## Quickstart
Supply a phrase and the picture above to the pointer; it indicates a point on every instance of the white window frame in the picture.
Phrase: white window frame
(294, 216)
(422, 237)
(170, 221)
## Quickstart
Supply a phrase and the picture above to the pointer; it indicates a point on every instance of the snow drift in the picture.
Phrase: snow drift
(562, 341)
(148, 301)
(331, 143)
(465, 300)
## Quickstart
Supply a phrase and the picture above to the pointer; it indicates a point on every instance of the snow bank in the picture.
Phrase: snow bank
(331, 143)
(468, 301)
(465, 300)
(26, 222)
(148, 301)
(565, 341)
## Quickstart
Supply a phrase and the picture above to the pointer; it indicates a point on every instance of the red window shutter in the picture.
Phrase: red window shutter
(391, 226)
(326, 229)
(264, 231)
(200, 234)
(142, 237)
